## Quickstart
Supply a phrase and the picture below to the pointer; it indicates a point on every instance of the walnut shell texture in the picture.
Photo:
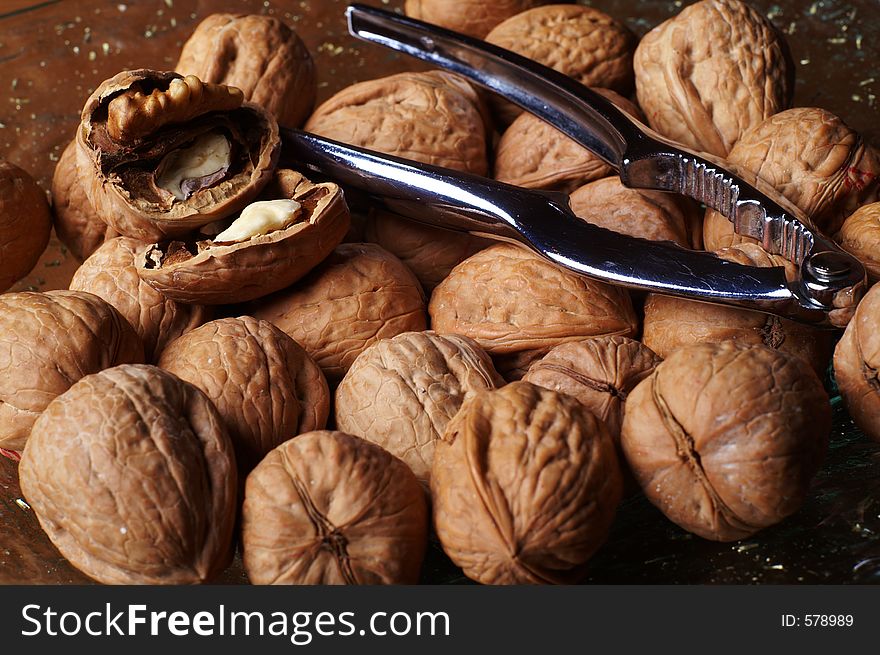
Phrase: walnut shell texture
(132, 476)
(25, 223)
(260, 55)
(706, 76)
(110, 274)
(48, 341)
(330, 508)
(361, 293)
(724, 438)
(401, 392)
(472, 17)
(525, 485)
(860, 235)
(265, 386)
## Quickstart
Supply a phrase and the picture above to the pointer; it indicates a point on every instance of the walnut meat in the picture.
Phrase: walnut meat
(25, 223)
(425, 117)
(131, 474)
(161, 155)
(525, 485)
(48, 341)
(330, 508)
(361, 293)
(724, 438)
(473, 17)
(110, 273)
(860, 235)
(260, 55)
(401, 392)
(266, 388)
(706, 76)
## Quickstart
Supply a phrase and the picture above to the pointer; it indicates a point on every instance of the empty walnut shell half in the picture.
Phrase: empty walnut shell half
(525, 485)
(265, 386)
(48, 341)
(110, 273)
(269, 246)
(161, 155)
(401, 392)
(472, 17)
(260, 55)
(706, 76)
(132, 476)
(25, 223)
(724, 438)
(860, 235)
(330, 508)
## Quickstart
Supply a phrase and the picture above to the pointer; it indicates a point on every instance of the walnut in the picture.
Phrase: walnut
(420, 116)
(401, 392)
(260, 55)
(48, 341)
(709, 74)
(525, 484)
(472, 17)
(265, 386)
(813, 159)
(672, 323)
(25, 223)
(533, 154)
(429, 252)
(724, 437)
(515, 303)
(860, 235)
(110, 273)
(131, 474)
(581, 42)
(160, 155)
(265, 248)
(330, 508)
(361, 293)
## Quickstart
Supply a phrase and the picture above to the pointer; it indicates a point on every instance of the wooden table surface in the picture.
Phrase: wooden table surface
(55, 52)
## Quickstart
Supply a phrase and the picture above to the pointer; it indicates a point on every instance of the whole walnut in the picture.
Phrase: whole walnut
(812, 158)
(25, 223)
(330, 508)
(110, 273)
(76, 223)
(525, 485)
(472, 17)
(429, 252)
(361, 293)
(533, 154)
(581, 42)
(860, 235)
(48, 341)
(425, 117)
(401, 392)
(725, 437)
(672, 323)
(856, 363)
(265, 386)
(706, 76)
(132, 476)
(517, 306)
(260, 55)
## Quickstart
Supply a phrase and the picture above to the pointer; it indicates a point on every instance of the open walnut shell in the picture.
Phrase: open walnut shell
(161, 155)
(204, 269)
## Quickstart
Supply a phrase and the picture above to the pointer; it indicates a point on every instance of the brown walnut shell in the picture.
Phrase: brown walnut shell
(25, 223)
(48, 341)
(401, 392)
(110, 274)
(525, 485)
(157, 115)
(860, 236)
(420, 116)
(330, 508)
(260, 55)
(203, 270)
(724, 437)
(131, 474)
(472, 17)
(361, 293)
(265, 386)
(706, 76)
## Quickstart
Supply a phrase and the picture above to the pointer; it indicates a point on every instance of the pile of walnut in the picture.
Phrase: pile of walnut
(236, 354)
